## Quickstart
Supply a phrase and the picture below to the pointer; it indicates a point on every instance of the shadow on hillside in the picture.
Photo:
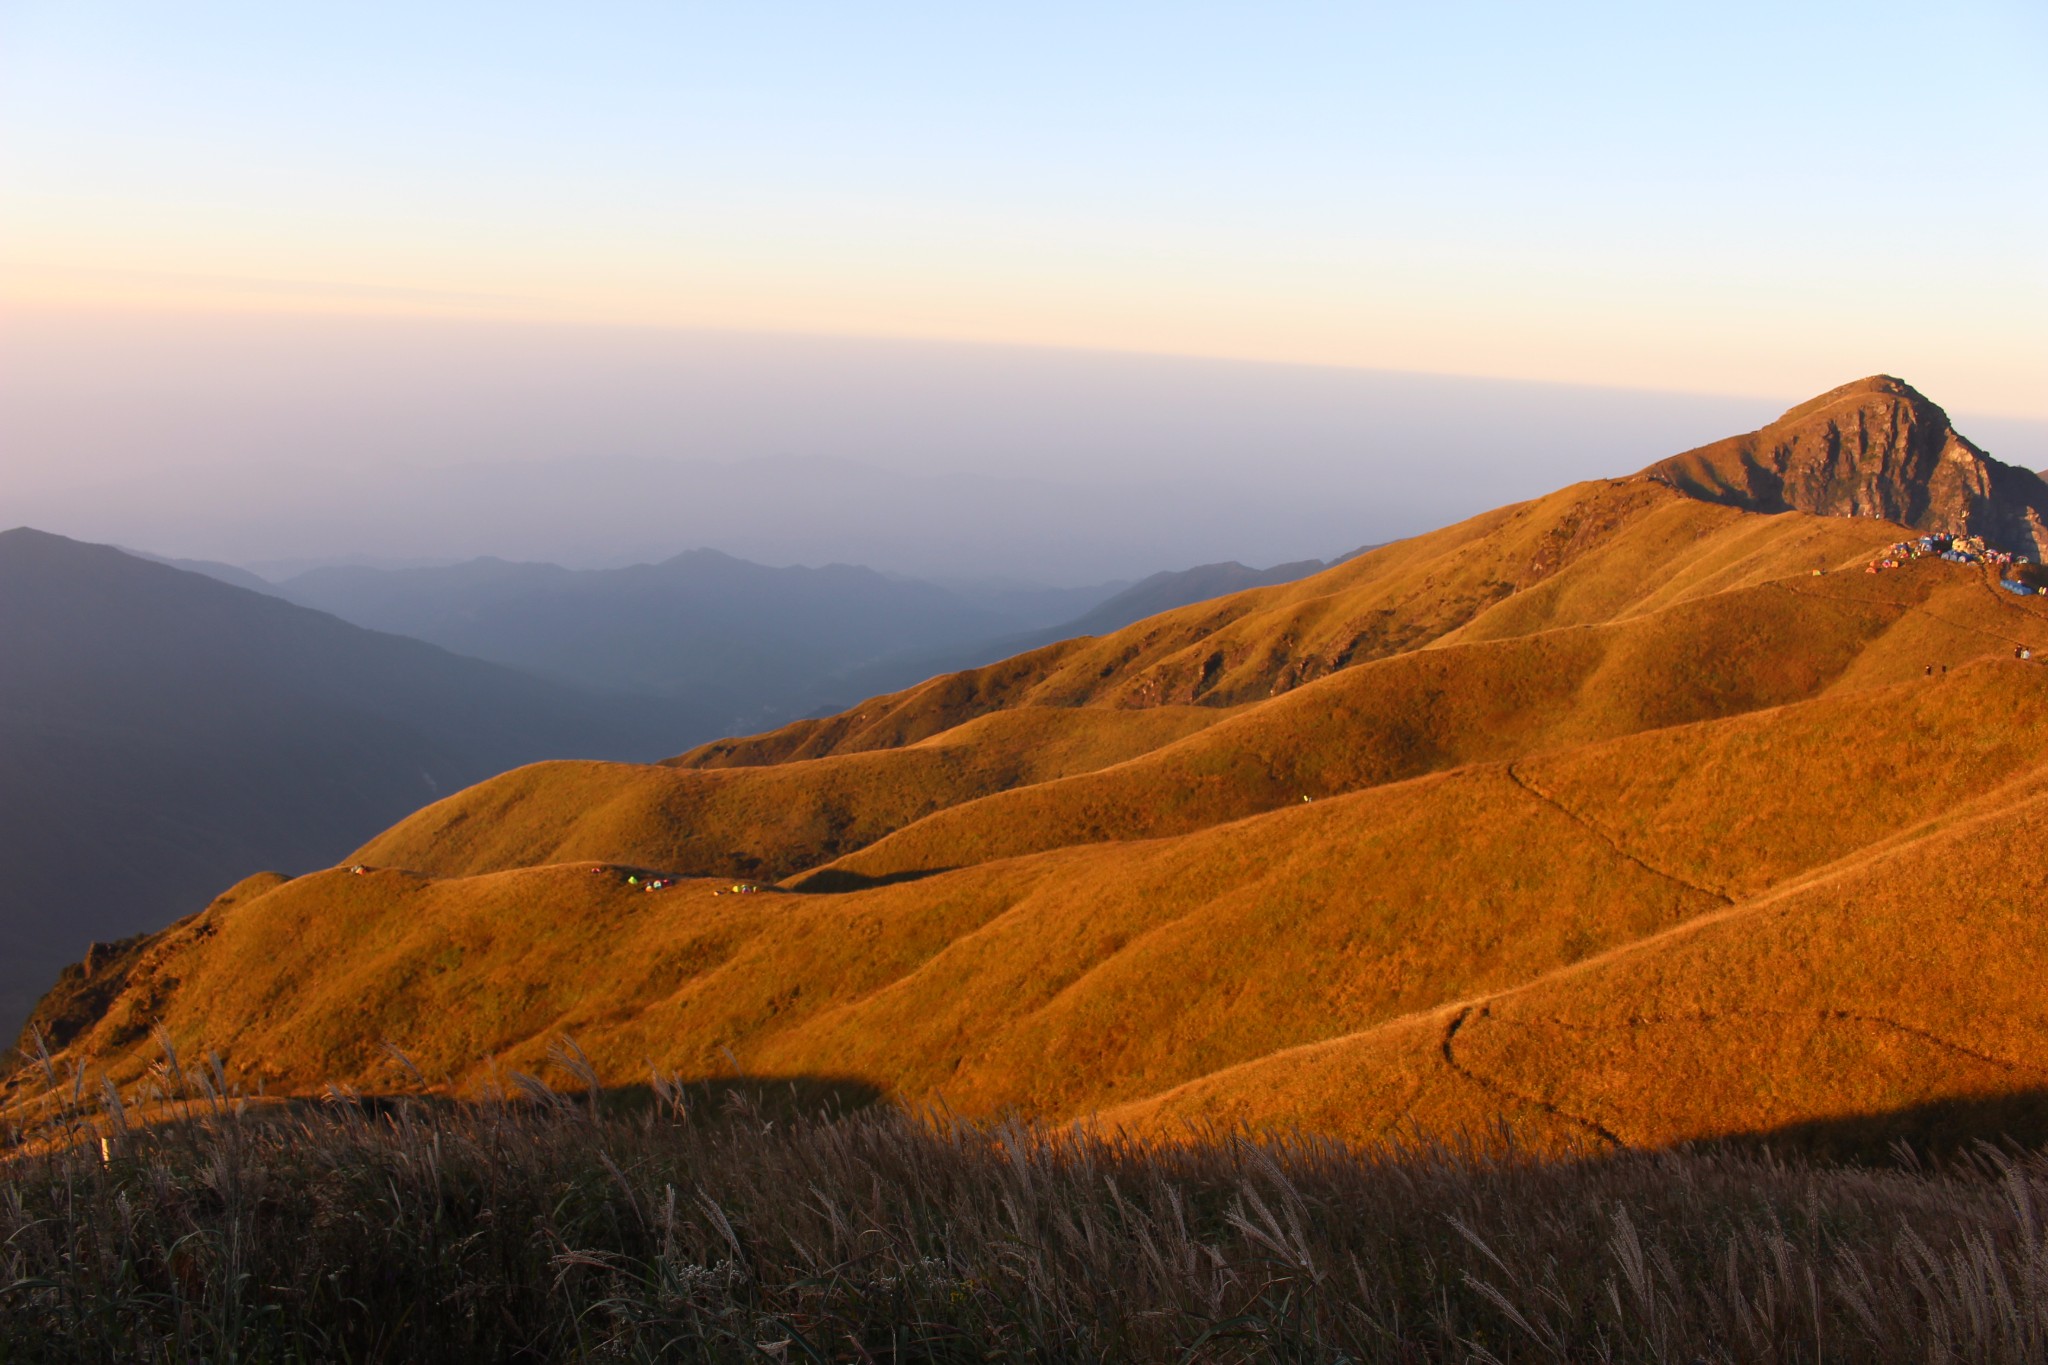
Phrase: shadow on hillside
(1936, 1130)
(831, 881)
(769, 1097)
(772, 1097)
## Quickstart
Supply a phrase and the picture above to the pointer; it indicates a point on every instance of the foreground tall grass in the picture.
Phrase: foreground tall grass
(543, 1227)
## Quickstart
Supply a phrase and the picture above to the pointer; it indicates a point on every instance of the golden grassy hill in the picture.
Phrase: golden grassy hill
(1436, 709)
(1066, 981)
(1624, 825)
(760, 822)
(1597, 554)
(1598, 550)
(1894, 992)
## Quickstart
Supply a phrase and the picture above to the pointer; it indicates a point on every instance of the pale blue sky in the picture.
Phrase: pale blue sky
(279, 237)
(1664, 196)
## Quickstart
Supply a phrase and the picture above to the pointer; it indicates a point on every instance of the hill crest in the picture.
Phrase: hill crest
(1876, 447)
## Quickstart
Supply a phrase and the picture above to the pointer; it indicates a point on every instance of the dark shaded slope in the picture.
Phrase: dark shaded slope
(161, 734)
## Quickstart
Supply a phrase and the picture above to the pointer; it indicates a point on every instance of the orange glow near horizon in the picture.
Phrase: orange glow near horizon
(1494, 327)
(1541, 195)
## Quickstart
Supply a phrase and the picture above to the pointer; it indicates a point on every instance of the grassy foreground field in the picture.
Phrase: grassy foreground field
(701, 1223)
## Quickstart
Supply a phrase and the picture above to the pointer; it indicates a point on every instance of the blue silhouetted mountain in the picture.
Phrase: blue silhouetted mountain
(1150, 596)
(163, 733)
(1167, 591)
(747, 645)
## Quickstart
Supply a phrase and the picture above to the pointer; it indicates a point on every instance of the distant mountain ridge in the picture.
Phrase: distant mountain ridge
(233, 574)
(1876, 447)
(739, 645)
(1161, 592)
(1166, 591)
(162, 732)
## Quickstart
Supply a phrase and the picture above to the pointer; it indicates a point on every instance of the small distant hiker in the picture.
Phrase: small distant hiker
(1930, 670)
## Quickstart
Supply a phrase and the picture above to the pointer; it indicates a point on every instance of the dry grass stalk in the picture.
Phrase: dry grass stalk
(679, 1225)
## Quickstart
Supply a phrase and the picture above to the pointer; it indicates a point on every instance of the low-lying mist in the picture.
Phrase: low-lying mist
(259, 438)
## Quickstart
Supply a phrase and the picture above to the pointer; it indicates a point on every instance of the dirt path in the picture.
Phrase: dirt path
(1607, 837)
(1988, 806)
(1494, 1087)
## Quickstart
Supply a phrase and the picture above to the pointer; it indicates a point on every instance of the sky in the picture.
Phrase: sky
(200, 204)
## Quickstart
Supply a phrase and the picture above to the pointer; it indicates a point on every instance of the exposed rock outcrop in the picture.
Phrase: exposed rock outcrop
(1874, 448)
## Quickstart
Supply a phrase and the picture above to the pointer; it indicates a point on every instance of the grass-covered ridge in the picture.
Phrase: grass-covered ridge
(1617, 815)
(1060, 910)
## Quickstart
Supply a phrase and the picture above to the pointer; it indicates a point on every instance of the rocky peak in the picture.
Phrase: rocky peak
(1874, 448)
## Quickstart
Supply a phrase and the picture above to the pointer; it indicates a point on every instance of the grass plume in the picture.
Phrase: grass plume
(674, 1225)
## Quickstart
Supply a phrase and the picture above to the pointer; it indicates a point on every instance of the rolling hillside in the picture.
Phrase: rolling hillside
(1622, 816)
(1159, 592)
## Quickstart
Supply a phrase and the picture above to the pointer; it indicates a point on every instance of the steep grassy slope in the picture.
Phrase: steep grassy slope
(1895, 994)
(759, 822)
(1041, 777)
(1066, 981)
(1629, 818)
(1589, 553)
(943, 985)
(1698, 628)
(1249, 646)
(1435, 709)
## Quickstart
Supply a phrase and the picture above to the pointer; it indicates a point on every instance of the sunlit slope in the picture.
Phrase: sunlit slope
(1211, 946)
(1608, 549)
(1630, 817)
(1689, 626)
(1898, 993)
(759, 823)
(1071, 981)
(1004, 984)
(1428, 710)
